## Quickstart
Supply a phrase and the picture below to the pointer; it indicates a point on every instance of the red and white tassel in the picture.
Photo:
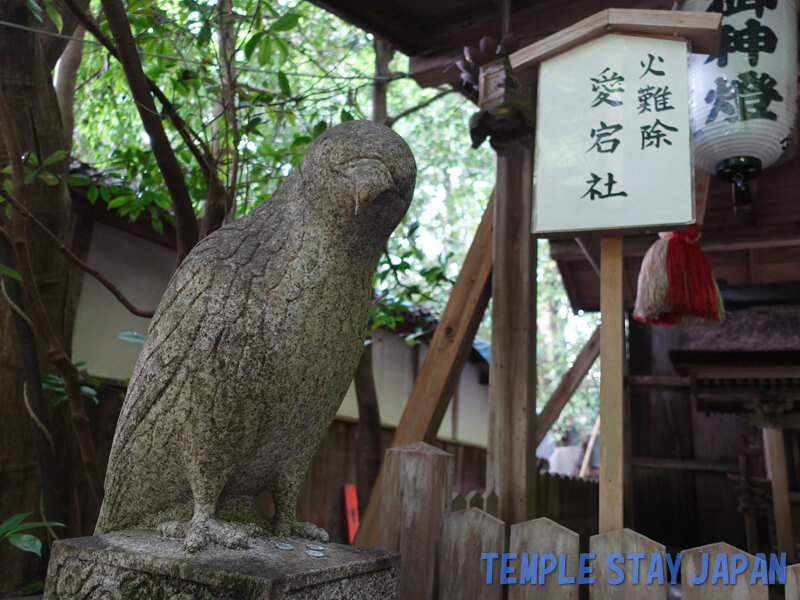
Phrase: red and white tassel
(676, 286)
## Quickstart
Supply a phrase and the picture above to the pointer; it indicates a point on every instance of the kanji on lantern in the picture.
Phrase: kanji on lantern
(752, 40)
(731, 7)
(744, 99)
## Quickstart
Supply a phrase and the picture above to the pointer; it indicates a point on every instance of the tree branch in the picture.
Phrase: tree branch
(392, 120)
(195, 144)
(29, 216)
(186, 221)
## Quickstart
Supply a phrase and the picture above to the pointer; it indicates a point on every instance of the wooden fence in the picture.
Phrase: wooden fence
(441, 538)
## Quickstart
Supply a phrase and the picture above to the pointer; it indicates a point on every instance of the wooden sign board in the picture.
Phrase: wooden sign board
(613, 142)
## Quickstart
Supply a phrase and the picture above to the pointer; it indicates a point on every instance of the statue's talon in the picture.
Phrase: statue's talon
(310, 531)
(173, 529)
(200, 532)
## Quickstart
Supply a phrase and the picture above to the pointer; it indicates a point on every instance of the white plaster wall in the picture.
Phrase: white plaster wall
(141, 270)
(392, 363)
(393, 368)
(472, 416)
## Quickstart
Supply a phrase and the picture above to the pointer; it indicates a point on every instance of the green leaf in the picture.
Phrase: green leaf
(286, 23)
(35, 9)
(131, 336)
(8, 186)
(252, 43)
(10, 523)
(93, 193)
(320, 128)
(48, 178)
(158, 226)
(9, 272)
(283, 50)
(31, 589)
(204, 36)
(53, 383)
(36, 524)
(54, 157)
(264, 50)
(346, 116)
(91, 393)
(79, 180)
(121, 200)
(26, 542)
(54, 15)
(283, 82)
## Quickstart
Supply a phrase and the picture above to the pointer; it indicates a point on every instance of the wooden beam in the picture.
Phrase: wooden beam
(511, 460)
(587, 456)
(566, 388)
(444, 361)
(591, 250)
(436, 66)
(530, 21)
(377, 18)
(612, 347)
(433, 71)
(657, 381)
(702, 30)
(776, 465)
(682, 464)
(712, 242)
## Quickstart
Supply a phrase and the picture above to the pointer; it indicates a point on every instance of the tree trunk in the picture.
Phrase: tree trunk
(66, 75)
(221, 199)
(31, 475)
(368, 434)
(380, 85)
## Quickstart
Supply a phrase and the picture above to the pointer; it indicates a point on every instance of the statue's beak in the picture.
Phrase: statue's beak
(370, 178)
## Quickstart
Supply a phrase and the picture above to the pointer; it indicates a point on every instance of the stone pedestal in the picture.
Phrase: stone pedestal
(139, 564)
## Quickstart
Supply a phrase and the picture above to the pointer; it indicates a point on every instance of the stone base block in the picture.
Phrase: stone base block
(141, 565)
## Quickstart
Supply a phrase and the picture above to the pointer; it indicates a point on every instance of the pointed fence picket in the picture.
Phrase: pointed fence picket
(720, 589)
(486, 501)
(793, 582)
(543, 536)
(466, 534)
(624, 541)
(417, 488)
(441, 535)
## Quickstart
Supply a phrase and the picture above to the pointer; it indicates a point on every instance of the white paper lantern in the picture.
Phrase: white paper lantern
(743, 102)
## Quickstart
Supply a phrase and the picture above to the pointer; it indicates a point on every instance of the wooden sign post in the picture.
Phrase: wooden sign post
(613, 156)
(612, 357)
(506, 118)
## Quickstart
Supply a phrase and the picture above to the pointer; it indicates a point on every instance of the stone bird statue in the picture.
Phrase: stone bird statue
(254, 345)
